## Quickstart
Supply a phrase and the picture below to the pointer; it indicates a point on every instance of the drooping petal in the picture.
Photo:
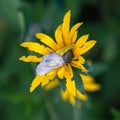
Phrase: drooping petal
(37, 80)
(72, 99)
(59, 37)
(86, 47)
(81, 96)
(36, 47)
(30, 58)
(92, 87)
(64, 94)
(47, 40)
(52, 84)
(87, 79)
(68, 72)
(61, 72)
(73, 30)
(77, 64)
(70, 86)
(66, 27)
(43, 79)
(89, 83)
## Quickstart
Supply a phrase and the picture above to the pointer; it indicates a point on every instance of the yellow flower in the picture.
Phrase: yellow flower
(60, 58)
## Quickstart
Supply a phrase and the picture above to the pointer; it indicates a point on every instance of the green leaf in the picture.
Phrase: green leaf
(62, 83)
(9, 10)
(78, 81)
(88, 66)
(116, 114)
(100, 68)
(26, 11)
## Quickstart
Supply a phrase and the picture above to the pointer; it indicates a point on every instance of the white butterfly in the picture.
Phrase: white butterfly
(49, 62)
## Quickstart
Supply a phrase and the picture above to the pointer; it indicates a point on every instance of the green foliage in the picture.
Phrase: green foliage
(10, 10)
(78, 81)
(20, 20)
(62, 83)
(116, 114)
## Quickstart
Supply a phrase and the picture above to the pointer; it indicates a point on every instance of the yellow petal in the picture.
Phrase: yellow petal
(81, 60)
(89, 83)
(68, 72)
(74, 37)
(76, 52)
(37, 80)
(87, 79)
(66, 27)
(64, 94)
(92, 87)
(70, 86)
(58, 36)
(45, 81)
(49, 76)
(72, 99)
(52, 73)
(73, 30)
(86, 47)
(81, 41)
(30, 58)
(52, 84)
(61, 72)
(75, 58)
(36, 47)
(81, 96)
(77, 64)
(47, 40)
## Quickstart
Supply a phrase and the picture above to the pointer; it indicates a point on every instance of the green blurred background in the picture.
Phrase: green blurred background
(20, 20)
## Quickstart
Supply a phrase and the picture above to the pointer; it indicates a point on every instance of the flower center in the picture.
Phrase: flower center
(67, 57)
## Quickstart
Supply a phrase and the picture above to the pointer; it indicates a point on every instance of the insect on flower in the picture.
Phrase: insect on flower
(49, 62)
